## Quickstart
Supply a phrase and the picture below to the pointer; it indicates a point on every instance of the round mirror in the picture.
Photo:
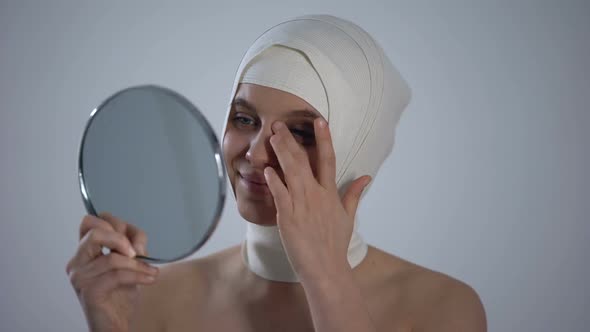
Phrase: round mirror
(150, 158)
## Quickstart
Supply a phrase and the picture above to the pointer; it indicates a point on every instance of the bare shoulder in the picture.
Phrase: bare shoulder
(439, 302)
(184, 284)
(451, 305)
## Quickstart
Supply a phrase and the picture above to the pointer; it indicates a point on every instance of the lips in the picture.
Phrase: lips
(255, 178)
(254, 184)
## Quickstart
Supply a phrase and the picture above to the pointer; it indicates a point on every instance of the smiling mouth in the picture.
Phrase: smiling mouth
(254, 185)
(253, 181)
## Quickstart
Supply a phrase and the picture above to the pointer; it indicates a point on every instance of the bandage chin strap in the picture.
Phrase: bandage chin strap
(265, 256)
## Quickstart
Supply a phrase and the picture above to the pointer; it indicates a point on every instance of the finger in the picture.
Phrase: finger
(92, 243)
(137, 236)
(115, 261)
(89, 222)
(118, 224)
(301, 160)
(352, 196)
(326, 156)
(288, 160)
(117, 278)
(279, 192)
(138, 239)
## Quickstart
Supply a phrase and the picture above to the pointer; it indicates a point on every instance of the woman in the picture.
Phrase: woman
(312, 116)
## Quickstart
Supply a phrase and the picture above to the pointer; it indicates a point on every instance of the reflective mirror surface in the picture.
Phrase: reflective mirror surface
(149, 157)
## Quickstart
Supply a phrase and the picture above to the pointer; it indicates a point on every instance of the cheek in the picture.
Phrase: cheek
(233, 148)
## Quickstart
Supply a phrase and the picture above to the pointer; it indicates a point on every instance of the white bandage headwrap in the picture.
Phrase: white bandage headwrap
(342, 72)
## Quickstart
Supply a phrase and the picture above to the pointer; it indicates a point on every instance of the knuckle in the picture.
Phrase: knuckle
(299, 153)
(123, 238)
(330, 158)
(93, 235)
(119, 226)
(86, 223)
(87, 219)
(119, 275)
(137, 264)
(119, 239)
(141, 235)
(85, 293)
(113, 222)
(296, 174)
(69, 266)
(105, 215)
(111, 260)
(137, 277)
(124, 276)
(74, 277)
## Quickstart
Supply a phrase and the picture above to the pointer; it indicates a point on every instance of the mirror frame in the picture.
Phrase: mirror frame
(221, 171)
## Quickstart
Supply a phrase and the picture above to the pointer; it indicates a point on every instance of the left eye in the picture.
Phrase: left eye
(303, 136)
(298, 132)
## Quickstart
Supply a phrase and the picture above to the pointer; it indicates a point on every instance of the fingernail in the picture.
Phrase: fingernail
(150, 278)
(322, 123)
(132, 252)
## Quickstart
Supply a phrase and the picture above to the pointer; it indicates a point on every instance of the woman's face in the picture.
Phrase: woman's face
(247, 150)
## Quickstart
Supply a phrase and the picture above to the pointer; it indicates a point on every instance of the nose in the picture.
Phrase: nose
(260, 153)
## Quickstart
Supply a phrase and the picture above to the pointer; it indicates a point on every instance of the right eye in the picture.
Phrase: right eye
(242, 120)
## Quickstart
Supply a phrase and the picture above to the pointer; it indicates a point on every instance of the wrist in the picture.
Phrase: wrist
(327, 277)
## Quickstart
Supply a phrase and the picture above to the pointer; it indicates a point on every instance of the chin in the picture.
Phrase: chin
(255, 208)
(257, 212)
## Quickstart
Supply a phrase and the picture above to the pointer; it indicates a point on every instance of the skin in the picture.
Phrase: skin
(218, 292)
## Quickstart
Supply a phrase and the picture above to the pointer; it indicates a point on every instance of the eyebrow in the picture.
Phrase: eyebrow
(300, 112)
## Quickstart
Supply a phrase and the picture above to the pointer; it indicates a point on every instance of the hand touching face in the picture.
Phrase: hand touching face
(247, 149)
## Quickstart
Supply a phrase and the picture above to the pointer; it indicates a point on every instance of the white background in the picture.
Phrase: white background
(487, 182)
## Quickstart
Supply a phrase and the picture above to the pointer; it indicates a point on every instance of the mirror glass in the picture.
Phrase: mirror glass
(150, 158)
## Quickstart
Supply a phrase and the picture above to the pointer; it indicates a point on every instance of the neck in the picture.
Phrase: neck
(264, 254)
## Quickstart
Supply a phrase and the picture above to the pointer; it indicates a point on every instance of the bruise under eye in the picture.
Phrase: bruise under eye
(303, 133)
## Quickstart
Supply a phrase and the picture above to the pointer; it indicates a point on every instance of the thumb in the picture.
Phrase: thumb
(352, 196)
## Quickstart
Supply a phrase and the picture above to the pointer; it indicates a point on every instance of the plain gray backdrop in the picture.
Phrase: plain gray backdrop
(488, 179)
